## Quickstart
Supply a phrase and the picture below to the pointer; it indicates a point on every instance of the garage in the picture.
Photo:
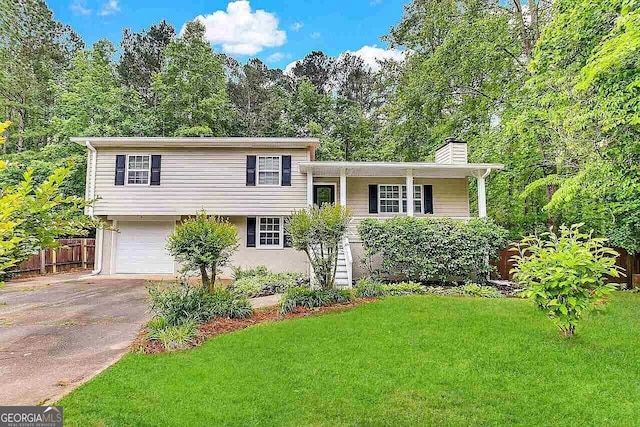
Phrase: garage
(140, 247)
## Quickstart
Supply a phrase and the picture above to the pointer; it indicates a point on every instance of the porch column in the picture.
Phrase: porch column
(482, 195)
(343, 187)
(309, 187)
(409, 192)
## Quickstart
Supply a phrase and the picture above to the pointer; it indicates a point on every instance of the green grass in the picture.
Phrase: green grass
(400, 361)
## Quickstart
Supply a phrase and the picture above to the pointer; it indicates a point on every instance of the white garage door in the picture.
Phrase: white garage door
(141, 247)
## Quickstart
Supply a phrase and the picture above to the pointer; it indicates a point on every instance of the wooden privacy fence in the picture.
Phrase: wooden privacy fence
(72, 253)
(630, 263)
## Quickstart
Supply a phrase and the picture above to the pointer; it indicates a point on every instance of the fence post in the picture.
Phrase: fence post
(83, 249)
(43, 261)
(54, 260)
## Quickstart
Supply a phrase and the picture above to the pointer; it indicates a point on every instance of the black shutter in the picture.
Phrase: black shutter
(251, 172)
(373, 198)
(251, 231)
(427, 191)
(121, 160)
(287, 237)
(286, 170)
(155, 169)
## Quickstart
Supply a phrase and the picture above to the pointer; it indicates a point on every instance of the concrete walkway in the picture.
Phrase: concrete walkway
(57, 332)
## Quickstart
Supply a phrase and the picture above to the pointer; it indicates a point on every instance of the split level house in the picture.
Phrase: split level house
(144, 187)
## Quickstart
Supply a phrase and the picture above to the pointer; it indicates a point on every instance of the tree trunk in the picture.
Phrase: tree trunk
(21, 124)
(205, 277)
(527, 47)
(214, 273)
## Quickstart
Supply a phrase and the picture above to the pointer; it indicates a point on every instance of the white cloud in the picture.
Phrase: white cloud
(240, 31)
(288, 70)
(315, 35)
(277, 56)
(372, 54)
(296, 26)
(109, 8)
(79, 7)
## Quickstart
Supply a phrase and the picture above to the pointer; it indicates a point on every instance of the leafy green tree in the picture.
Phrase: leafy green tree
(204, 244)
(142, 56)
(93, 103)
(191, 87)
(33, 216)
(565, 274)
(318, 231)
(35, 49)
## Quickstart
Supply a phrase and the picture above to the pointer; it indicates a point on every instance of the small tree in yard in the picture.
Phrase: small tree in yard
(33, 216)
(565, 274)
(204, 243)
(318, 232)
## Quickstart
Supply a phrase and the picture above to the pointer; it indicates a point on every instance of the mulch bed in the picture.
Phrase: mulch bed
(223, 325)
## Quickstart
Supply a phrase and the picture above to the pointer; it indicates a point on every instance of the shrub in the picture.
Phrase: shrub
(565, 275)
(184, 303)
(420, 249)
(177, 337)
(240, 273)
(180, 304)
(225, 304)
(318, 232)
(403, 288)
(469, 290)
(367, 288)
(265, 283)
(203, 243)
(312, 298)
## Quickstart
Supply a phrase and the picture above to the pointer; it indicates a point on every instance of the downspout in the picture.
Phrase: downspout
(97, 268)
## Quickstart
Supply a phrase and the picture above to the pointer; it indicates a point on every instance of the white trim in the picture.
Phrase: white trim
(309, 188)
(343, 187)
(279, 184)
(281, 231)
(91, 193)
(403, 199)
(126, 170)
(114, 242)
(409, 185)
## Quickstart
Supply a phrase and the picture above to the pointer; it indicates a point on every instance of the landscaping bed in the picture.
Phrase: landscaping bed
(221, 325)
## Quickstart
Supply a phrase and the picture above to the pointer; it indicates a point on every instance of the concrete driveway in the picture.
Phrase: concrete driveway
(57, 332)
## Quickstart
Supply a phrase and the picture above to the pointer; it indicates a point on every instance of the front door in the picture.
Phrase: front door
(324, 193)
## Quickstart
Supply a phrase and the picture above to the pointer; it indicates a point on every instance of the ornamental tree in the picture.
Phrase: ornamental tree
(565, 274)
(204, 243)
(318, 233)
(33, 216)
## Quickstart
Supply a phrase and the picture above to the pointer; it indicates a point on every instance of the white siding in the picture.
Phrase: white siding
(213, 179)
(450, 199)
(452, 153)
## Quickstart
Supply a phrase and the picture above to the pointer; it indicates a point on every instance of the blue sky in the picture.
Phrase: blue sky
(276, 31)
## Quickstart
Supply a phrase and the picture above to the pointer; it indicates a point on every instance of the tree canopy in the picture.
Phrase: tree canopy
(548, 88)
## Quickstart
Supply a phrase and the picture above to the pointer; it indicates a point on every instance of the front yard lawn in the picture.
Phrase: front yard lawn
(399, 361)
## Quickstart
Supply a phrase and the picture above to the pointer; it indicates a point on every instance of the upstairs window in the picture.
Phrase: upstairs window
(268, 170)
(138, 169)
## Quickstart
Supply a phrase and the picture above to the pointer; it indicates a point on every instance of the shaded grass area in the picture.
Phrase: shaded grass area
(399, 361)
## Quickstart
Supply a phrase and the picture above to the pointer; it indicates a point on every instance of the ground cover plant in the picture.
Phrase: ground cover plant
(259, 281)
(413, 360)
(178, 309)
